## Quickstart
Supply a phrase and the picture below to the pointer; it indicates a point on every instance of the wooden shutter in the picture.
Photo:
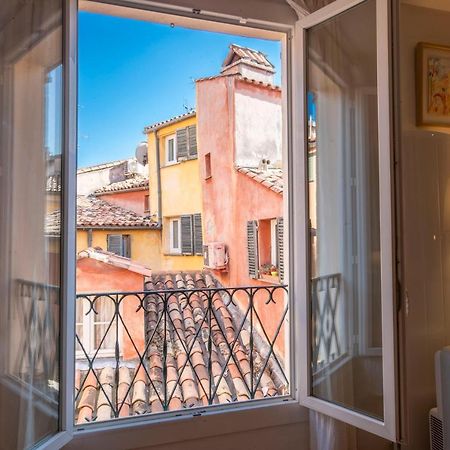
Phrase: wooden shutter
(126, 245)
(182, 143)
(187, 247)
(252, 248)
(114, 242)
(192, 141)
(198, 236)
(280, 247)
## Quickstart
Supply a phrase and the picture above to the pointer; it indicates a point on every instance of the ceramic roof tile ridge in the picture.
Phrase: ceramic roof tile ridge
(247, 54)
(156, 126)
(137, 182)
(270, 178)
(239, 77)
(112, 259)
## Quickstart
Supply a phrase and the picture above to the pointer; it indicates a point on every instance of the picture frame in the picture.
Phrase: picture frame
(432, 85)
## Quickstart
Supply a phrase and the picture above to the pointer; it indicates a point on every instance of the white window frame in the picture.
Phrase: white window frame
(172, 248)
(167, 139)
(388, 427)
(168, 428)
(88, 332)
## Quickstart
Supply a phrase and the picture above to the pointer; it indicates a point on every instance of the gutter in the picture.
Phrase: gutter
(118, 227)
(158, 177)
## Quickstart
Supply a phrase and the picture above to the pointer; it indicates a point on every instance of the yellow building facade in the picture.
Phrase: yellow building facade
(175, 191)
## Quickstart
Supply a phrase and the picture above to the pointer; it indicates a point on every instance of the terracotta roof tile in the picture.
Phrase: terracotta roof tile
(172, 120)
(137, 182)
(270, 178)
(188, 338)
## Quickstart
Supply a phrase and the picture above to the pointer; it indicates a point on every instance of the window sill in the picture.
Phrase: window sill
(269, 279)
(138, 433)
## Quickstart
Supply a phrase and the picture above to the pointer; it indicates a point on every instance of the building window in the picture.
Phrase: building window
(175, 238)
(265, 248)
(120, 244)
(92, 327)
(208, 173)
(171, 149)
(186, 236)
(147, 203)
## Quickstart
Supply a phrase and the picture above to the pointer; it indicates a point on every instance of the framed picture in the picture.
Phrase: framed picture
(433, 85)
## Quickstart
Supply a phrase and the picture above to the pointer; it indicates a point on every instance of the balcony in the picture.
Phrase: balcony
(183, 342)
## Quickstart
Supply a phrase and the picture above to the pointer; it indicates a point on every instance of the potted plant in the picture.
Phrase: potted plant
(265, 269)
(273, 271)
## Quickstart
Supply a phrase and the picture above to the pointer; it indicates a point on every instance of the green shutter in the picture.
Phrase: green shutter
(280, 247)
(198, 235)
(187, 247)
(252, 248)
(182, 143)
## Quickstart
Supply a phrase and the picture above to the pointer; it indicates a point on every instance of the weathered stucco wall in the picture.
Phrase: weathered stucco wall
(132, 200)
(257, 124)
(96, 276)
(145, 244)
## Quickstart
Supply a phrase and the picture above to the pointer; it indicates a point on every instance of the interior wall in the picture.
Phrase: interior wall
(425, 197)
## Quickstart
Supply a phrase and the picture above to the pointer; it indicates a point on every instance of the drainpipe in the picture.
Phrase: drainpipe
(158, 177)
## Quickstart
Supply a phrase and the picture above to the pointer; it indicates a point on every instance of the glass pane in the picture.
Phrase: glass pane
(346, 353)
(175, 234)
(30, 194)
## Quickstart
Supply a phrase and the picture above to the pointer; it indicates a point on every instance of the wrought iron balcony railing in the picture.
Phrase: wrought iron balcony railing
(184, 342)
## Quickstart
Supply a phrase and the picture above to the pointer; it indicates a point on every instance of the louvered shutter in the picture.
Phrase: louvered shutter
(187, 247)
(114, 242)
(252, 248)
(192, 140)
(198, 236)
(126, 245)
(280, 247)
(182, 143)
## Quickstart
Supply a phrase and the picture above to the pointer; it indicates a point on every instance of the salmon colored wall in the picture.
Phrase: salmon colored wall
(96, 276)
(132, 200)
(230, 198)
(145, 244)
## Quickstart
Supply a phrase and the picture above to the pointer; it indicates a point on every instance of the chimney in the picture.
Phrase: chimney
(248, 63)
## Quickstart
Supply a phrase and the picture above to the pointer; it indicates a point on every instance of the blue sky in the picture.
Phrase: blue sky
(134, 73)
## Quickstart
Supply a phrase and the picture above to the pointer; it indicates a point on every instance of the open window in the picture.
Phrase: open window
(348, 366)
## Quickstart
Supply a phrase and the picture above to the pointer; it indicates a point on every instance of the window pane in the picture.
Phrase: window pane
(344, 214)
(30, 195)
(175, 243)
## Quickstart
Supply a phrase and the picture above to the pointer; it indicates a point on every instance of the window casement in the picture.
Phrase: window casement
(95, 328)
(147, 203)
(345, 281)
(120, 244)
(171, 149)
(265, 249)
(185, 234)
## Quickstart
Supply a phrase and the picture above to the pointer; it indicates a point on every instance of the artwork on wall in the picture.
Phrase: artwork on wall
(433, 85)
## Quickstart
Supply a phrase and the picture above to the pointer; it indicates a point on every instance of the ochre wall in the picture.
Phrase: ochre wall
(181, 193)
(132, 200)
(145, 244)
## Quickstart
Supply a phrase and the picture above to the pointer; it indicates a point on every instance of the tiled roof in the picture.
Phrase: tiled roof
(53, 183)
(270, 178)
(247, 54)
(187, 377)
(96, 213)
(93, 212)
(172, 120)
(115, 260)
(102, 166)
(136, 182)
